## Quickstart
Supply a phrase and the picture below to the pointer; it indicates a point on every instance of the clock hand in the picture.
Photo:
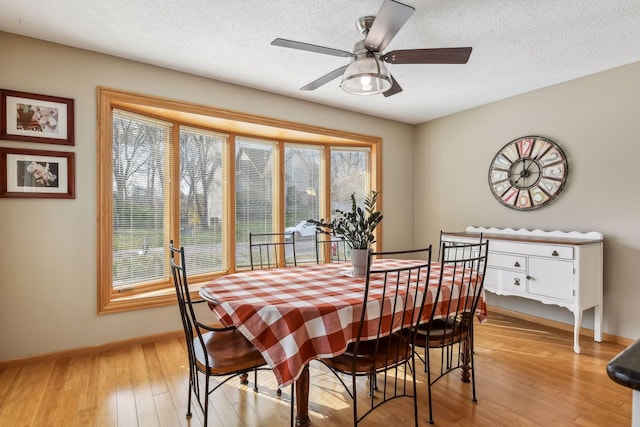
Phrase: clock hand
(523, 172)
(530, 163)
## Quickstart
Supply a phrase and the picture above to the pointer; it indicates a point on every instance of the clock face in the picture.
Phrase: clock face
(528, 173)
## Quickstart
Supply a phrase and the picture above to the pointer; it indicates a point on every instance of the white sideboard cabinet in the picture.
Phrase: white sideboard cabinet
(553, 267)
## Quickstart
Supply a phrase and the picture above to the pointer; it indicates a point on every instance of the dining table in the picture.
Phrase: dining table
(298, 314)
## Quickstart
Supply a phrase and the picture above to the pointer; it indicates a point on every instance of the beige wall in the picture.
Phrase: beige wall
(48, 250)
(596, 120)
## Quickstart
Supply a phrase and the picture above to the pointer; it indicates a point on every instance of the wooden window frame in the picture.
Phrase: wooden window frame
(194, 115)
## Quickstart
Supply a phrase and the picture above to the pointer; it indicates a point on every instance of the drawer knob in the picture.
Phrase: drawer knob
(554, 253)
(517, 264)
(516, 282)
(528, 277)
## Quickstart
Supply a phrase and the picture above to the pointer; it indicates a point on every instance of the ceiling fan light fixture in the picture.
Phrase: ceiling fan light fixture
(366, 75)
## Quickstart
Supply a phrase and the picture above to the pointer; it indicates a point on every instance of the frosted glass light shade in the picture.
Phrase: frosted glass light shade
(366, 75)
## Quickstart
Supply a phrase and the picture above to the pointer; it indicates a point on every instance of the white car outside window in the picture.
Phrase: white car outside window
(302, 230)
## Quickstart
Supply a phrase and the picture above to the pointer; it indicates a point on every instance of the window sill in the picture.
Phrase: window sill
(151, 299)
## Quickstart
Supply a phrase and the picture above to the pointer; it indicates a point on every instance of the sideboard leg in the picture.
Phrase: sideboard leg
(635, 408)
(597, 323)
(576, 330)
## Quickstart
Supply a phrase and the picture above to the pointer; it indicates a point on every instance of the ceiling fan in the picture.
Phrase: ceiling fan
(367, 74)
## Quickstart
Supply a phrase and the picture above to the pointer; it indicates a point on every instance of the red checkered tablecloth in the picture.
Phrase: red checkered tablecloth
(295, 315)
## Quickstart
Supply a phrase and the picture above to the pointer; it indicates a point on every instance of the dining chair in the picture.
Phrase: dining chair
(383, 357)
(214, 351)
(452, 243)
(272, 250)
(451, 336)
(330, 249)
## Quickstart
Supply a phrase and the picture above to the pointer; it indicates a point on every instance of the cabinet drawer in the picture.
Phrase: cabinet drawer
(554, 251)
(505, 281)
(512, 262)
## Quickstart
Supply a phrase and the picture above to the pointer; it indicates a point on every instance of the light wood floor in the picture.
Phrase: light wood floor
(527, 375)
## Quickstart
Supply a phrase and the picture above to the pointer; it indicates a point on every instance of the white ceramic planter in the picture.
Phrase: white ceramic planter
(359, 261)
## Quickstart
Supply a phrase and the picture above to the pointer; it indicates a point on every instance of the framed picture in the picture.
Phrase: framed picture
(36, 173)
(36, 118)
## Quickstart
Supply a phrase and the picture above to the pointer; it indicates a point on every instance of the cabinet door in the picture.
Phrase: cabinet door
(551, 278)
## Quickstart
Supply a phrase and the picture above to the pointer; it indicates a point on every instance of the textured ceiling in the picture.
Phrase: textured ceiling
(518, 45)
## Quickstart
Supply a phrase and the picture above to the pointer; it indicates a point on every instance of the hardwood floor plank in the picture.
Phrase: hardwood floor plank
(172, 356)
(157, 379)
(47, 412)
(145, 404)
(167, 413)
(20, 404)
(106, 387)
(75, 386)
(7, 381)
(88, 374)
(125, 395)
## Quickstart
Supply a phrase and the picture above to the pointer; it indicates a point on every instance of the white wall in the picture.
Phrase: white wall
(48, 250)
(596, 120)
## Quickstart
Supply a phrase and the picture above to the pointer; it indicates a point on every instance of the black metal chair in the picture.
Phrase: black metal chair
(387, 361)
(330, 249)
(451, 243)
(452, 336)
(272, 250)
(213, 351)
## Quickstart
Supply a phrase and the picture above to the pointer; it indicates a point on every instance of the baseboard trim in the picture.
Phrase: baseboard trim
(559, 325)
(82, 351)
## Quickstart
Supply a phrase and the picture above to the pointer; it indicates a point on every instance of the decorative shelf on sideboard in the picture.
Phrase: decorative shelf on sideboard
(553, 267)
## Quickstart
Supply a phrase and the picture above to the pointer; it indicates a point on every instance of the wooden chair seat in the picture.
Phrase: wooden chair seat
(369, 358)
(227, 351)
(442, 332)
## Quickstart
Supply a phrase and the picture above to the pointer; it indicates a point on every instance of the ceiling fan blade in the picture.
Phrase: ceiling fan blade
(395, 88)
(390, 18)
(452, 55)
(311, 48)
(325, 79)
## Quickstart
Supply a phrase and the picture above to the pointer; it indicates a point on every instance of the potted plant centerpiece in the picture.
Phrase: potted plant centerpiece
(356, 227)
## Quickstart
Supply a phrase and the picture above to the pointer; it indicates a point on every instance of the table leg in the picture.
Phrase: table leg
(466, 359)
(244, 378)
(467, 348)
(302, 399)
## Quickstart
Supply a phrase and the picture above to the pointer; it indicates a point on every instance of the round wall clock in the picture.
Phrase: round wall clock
(528, 173)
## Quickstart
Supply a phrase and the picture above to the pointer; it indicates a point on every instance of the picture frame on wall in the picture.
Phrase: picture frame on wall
(37, 174)
(31, 117)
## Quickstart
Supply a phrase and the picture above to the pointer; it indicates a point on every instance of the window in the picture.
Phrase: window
(303, 194)
(349, 175)
(139, 198)
(203, 168)
(254, 193)
(205, 179)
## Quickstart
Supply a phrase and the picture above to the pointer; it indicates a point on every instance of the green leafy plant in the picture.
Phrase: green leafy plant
(356, 226)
